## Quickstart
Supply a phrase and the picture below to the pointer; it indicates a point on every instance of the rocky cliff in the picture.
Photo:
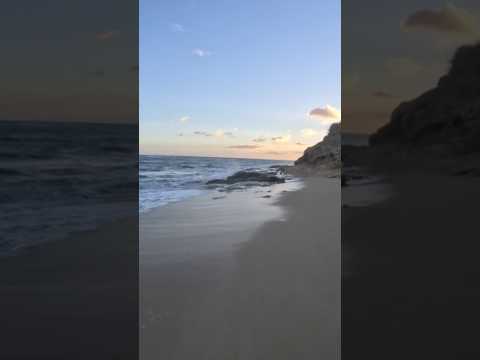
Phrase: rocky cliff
(326, 153)
(445, 119)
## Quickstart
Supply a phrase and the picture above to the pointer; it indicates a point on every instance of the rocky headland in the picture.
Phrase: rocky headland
(323, 158)
(438, 130)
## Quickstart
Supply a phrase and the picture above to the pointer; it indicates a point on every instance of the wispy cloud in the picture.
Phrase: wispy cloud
(259, 139)
(244, 147)
(280, 153)
(221, 133)
(328, 112)
(176, 28)
(217, 133)
(300, 144)
(202, 133)
(281, 139)
(201, 52)
(184, 119)
(449, 19)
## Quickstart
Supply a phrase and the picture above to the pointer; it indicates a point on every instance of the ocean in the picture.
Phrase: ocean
(167, 179)
(58, 178)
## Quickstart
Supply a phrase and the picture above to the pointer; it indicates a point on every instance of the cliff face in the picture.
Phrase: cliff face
(445, 119)
(324, 154)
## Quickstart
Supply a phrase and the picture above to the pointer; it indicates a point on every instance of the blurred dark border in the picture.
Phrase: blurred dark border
(69, 179)
(410, 177)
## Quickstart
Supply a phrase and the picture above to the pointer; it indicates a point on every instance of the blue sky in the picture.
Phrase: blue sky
(238, 78)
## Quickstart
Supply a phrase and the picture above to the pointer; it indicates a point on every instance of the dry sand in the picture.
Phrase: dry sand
(274, 295)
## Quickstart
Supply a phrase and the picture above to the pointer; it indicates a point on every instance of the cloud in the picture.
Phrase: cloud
(450, 19)
(201, 52)
(180, 134)
(327, 112)
(309, 133)
(176, 28)
(105, 35)
(184, 119)
(218, 133)
(280, 153)
(259, 139)
(274, 152)
(382, 94)
(281, 139)
(244, 147)
(300, 144)
(202, 133)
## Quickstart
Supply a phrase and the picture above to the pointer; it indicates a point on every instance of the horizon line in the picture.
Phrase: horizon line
(215, 157)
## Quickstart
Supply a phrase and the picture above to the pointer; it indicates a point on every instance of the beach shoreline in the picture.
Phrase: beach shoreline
(248, 299)
(270, 296)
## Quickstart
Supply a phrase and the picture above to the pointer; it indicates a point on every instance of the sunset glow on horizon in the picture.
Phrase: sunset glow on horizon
(238, 79)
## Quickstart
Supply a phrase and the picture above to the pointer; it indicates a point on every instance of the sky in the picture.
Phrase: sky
(69, 60)
(253, 79)
(394, 53)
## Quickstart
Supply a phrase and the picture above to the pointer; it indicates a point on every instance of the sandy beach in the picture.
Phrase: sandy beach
(251, 277)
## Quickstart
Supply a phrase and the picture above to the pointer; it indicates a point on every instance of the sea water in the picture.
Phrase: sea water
(167, 179)
(57, 178)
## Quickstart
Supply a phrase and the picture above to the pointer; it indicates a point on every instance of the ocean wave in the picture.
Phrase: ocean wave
(63, 177)
(167, 179)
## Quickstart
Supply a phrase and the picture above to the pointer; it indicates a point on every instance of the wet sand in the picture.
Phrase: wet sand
(265, 286)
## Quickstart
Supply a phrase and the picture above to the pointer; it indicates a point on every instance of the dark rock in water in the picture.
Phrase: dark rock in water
(445, 119)
(248, 176)
(218, 197)
(325, 153)
(217, 182)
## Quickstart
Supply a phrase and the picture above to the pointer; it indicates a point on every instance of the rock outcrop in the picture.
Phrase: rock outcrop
(326, 153)
(445, 119)
(248, 176)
